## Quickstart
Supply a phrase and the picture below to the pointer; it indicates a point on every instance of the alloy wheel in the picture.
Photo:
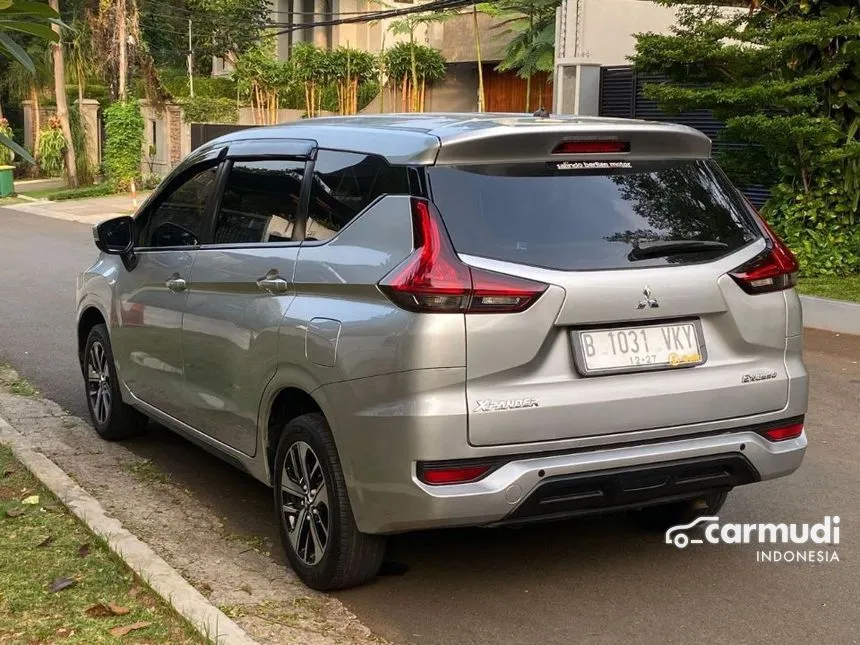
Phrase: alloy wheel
(98, 383)
(305, 504)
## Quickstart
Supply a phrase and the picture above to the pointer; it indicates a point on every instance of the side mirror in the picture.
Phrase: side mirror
(115, 236)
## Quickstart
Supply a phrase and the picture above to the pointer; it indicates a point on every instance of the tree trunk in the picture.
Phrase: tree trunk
(413, 107)
(528, 94)
(37, 120)
(405, 91)
(422, 94)
(122, 37)
(62, 102)
(382, 77)
(478, 56)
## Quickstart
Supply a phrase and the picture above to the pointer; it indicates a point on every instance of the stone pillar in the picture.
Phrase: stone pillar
(29, 134)
(175, 130)
(89, 110)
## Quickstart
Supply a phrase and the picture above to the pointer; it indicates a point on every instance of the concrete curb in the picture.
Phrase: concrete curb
(38, 208)
(211, 622)
(831, 315)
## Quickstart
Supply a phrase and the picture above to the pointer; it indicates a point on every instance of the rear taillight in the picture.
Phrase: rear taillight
(783, 433)
(441, 475)
(434, 280)
(591, 147)
(774, 270)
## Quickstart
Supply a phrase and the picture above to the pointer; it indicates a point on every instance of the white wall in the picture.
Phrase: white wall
(603, 30)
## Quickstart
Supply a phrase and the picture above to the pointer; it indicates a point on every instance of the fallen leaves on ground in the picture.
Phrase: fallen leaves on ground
(99, 610)
(122, 631)
(62, 583)
(102, 610)
(15, 512)
(84, 550)
(118, 610)
(46, 542)
(32, 500)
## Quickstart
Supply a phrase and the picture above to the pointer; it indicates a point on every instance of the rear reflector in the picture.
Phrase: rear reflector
(434, 279)
(458, 475)
(591, 147)
(774, 270)
(792, 431)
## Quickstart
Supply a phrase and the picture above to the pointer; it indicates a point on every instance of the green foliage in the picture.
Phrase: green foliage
(350, 68)
(350, 63)
(32, 18)
(820, 225)
(429, 62)
(530, 25)
(52, 149)
(313, 68)
(6, 154)
(262, 78)
(123, 143)
(220, 28)
(175, 82)
(202, 109)
(784, 75)
(85, 192)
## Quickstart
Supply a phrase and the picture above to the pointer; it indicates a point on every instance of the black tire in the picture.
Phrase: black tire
(665, 516)
(348, 557)
(117, 420)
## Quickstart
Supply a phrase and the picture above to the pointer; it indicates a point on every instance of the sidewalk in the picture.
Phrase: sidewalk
(86, 211)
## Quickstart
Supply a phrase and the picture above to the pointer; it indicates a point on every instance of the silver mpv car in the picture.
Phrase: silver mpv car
(417, 321)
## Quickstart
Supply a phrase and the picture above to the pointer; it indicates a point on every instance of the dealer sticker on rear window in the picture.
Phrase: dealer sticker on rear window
(591, 165)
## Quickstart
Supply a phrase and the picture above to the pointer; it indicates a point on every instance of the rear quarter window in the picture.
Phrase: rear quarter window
(588, 217)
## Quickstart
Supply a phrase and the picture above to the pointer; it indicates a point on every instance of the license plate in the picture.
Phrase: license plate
(630, 349)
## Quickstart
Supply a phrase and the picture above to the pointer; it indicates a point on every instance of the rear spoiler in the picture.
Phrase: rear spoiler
(540, 141)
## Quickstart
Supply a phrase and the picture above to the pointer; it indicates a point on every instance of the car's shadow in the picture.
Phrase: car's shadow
(245, 506)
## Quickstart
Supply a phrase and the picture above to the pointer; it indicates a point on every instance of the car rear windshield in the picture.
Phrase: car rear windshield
(592, 215)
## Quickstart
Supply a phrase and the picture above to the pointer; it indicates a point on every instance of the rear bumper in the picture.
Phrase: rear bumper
(544, 487)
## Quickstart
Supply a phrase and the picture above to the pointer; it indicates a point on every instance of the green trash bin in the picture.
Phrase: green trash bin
(7, 180)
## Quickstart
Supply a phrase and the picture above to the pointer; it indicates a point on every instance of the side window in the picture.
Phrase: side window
(345, 183)
(260, 202)
(179, 217)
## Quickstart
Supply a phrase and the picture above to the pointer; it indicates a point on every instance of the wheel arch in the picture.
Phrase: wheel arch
(90, 316)
(290, 394)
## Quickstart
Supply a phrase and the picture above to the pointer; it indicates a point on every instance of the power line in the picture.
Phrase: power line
(438, 5)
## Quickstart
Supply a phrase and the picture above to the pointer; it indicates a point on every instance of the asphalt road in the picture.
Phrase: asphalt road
(589, 581)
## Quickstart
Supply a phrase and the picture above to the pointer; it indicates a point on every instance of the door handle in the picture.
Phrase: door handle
(273, 283)
(176, 284)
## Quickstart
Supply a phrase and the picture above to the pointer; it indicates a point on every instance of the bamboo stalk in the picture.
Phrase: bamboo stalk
(423, 95)
(355, 95)
(480, 61)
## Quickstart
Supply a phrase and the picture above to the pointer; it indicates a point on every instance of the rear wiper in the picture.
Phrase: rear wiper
(660, 248)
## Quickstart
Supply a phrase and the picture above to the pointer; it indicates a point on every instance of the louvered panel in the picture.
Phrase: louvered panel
(621, 96)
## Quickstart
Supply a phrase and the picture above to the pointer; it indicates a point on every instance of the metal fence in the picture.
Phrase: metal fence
(621, 96)
(204, 132)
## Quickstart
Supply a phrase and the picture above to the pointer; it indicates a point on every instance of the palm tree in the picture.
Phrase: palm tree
(80, 54)
(62, 101)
